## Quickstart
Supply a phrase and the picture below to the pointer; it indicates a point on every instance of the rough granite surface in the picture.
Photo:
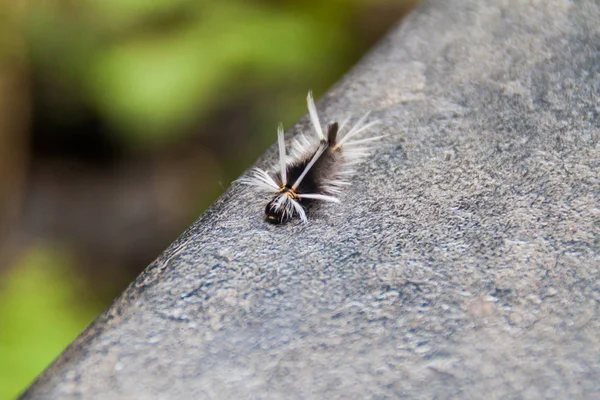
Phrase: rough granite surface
(464, 262)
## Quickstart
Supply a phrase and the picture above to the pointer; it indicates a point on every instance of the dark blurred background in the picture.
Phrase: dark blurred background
(122, 120)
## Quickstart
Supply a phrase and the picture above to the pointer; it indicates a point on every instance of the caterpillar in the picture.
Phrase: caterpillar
(318, 168)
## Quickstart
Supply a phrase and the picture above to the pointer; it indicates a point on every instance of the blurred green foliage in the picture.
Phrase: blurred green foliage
(41, 312)
(152, 68)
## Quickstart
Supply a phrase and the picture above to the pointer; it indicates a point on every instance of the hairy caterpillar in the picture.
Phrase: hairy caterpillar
(317, 168)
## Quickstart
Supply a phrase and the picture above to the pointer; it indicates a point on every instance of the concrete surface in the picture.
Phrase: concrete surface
(463, 263)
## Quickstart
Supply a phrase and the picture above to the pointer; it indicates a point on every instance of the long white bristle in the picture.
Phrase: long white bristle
(309, 166)
(314, 117)
(320, 197)
(281, 143)
(356, 129)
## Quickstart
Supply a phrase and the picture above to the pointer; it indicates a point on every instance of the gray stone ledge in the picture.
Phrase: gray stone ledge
(463, 262)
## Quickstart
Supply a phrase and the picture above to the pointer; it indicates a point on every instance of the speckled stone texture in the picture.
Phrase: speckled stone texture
(463, 262)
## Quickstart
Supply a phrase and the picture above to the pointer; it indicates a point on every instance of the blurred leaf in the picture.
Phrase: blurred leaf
(38, 318)
(154, 69)
(151, 87)
(121, 14)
